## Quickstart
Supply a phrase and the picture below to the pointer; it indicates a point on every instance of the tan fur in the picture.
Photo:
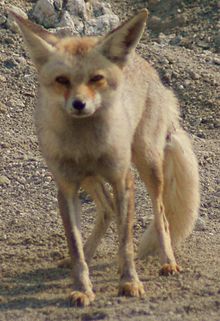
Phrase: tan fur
(128, 115)
(76, 46)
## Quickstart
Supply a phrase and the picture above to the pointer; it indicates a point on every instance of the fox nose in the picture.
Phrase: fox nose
(78, 104)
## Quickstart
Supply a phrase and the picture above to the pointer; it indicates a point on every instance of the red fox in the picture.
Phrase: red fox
(101, 108)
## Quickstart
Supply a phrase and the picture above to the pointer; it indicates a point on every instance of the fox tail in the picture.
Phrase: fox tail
(181, 194)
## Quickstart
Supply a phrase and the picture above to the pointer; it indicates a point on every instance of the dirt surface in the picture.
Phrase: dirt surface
(32, 287)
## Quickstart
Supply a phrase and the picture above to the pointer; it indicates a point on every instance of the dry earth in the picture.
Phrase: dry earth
(32, 287)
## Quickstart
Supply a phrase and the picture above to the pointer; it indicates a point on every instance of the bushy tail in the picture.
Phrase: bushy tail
(181, 194)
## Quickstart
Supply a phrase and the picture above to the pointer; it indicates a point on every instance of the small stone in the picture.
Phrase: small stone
(101, 25)
(45, 13)
(216, 61)
(9, 40)
(176, 40)
(10, 63)
(3, 108)
(3, 19)
(163, 39)
(21, 60)
(66, 21)
(77, 8)
(201, 134)
(100, 8)
(194, 75)
(16, 103)
(203, 44)
(4, 180)
(153, 2)
(200, 224)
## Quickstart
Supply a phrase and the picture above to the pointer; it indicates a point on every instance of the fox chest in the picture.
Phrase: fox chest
(77, 170)
(79, 158)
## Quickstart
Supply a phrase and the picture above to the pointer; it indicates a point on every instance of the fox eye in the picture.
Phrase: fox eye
(62, 80)
(96, 78)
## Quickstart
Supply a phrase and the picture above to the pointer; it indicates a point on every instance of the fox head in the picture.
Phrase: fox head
(81, 75)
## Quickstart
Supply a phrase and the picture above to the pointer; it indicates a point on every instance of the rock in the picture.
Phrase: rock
(2, 78)
(162, 39)
(66, 20)
(100, 8)
(77, 8)
(194, 75)
(203, 44)
(3, 108)
(45, 13)
(79, 25)
(216, 61)
(187, 82)
(176, 40)
(155, 23)
(3, 19)
(200, 224)
(4, 180)
(64, 31)
(101, 25)
(200, 134)
(78, 18)
(10, 63)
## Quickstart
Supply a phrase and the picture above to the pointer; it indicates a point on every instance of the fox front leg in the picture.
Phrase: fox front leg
(70, 213)
(124, 198)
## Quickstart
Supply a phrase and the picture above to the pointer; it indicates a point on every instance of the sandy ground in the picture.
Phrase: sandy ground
(33, 287)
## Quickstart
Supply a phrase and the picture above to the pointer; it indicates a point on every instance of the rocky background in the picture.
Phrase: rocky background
(182, 42)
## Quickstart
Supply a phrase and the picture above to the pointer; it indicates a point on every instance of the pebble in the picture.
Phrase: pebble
(4, 180)
(77, 8)
(187, 83)
(176, 40)
(155, 23)
(200, 134)
(194, 75)
(200, 224)
(44, 12)
(3, 108)
(3, 19)
(10, 63)
(216, 61)
(2, 78)
(101, 25)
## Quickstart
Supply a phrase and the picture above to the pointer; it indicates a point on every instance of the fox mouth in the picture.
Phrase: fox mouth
(81, 114)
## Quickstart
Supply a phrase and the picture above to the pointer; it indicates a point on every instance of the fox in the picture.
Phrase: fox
(102, 108)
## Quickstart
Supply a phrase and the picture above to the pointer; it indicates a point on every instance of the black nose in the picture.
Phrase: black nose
(78, 104)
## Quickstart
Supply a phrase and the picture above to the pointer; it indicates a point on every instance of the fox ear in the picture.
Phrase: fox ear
(39, 41)
(119, 43)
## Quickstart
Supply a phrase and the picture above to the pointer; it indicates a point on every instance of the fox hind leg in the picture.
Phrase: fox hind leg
(151, 173)
(105, 209)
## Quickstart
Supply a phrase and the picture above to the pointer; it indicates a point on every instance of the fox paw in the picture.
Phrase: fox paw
(133, 289)
(81, 299)
(170, 269)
